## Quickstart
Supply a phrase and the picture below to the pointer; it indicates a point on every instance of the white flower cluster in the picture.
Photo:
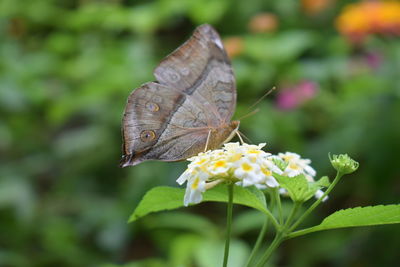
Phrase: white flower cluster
(244, 164)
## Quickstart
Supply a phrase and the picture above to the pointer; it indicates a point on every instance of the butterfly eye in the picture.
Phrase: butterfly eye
(147, 135)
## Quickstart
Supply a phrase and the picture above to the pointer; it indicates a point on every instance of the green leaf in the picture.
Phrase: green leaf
(210, 253)
(247, 196)
(356, 217)
(246, 221)
(182, 249)
(323, 182)
(183, 221)
(168, 198)
(149, 262)
(207, 11)
(158, 199)
(317, 185)
(299, 188)
(278, 48)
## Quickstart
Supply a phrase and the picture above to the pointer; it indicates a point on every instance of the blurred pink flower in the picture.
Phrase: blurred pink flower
(373, 59)
(294, 96)
(365, 63)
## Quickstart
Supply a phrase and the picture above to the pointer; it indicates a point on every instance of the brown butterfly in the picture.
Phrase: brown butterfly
(188, 109)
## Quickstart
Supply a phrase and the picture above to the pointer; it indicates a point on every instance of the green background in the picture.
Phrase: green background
(66, 69)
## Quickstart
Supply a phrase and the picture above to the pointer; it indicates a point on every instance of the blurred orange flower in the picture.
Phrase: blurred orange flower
(369, 17)
(263, 22)
(315, 6)
(234, 46)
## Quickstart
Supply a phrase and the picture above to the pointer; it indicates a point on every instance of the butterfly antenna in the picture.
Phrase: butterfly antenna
(245, 137)
(249, 114)
(261, 98)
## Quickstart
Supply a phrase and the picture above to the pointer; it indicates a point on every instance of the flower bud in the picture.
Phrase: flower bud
(343, 163)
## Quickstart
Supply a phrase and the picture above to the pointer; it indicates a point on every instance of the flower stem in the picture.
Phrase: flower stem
(292, 214)
(277, 198)
(301, 232)
(260, 238)
(275, 243)
(264, 229)
(316, 203)
(228, 223)
(273, 220)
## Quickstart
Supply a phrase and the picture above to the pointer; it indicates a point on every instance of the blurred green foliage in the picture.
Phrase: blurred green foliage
(66, 69)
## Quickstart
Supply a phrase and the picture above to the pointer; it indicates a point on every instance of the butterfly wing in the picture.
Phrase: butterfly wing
(171, 120)
(162, 123)
(201, 68)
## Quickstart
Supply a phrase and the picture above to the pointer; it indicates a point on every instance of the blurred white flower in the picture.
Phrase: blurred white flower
(319, 194)
(296, 165)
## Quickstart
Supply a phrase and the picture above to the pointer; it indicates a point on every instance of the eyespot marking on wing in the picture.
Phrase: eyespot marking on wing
(157, 99)
(170, 74)
(147, 135)
(185, 71)
(153, 107)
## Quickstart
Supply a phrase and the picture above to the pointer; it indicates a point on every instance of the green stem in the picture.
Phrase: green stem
(272, 199)
(228, 224)
(277, 199)
(316, 203)
(260, 238)
(273, 220)
(292, 214)
(275, 243)
(302, 232)
(263, 231)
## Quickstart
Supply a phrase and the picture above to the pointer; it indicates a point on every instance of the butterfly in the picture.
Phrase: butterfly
(188, 109)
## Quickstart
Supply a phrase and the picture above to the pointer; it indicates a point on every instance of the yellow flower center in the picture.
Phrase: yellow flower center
(220, 163)
(195, 184)
(253, 159)
(201, 161)
(236, 157)
(246, 167)
(294, 166)
(287, 158)
(266, 172)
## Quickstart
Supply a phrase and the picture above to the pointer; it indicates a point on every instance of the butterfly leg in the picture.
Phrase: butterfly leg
(208, 139)
(240, 137)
